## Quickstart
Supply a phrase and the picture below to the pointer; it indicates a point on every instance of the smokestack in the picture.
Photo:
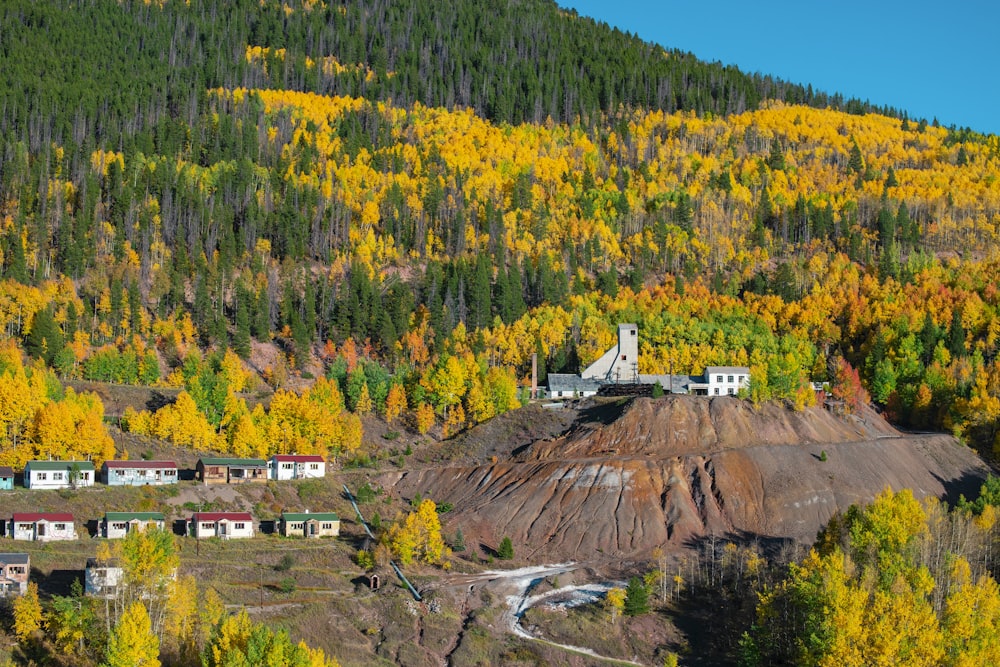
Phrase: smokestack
(534, 375)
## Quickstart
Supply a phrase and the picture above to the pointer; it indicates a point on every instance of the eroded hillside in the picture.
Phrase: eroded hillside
(626, 478)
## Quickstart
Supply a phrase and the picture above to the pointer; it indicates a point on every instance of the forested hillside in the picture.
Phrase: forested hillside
(412, 198)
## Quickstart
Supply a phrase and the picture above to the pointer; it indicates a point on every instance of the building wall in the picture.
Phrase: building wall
(727, 382)
(205, 529)
(301, 528)
(298, 470)
(118, 529)
(102, 581)
(620, 363)
(140, 476)
(14, 579)
(6, 483)
(55, 479)
(30, 532)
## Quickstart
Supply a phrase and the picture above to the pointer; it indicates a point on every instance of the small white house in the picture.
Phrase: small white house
(226, 525)
(42, 526)
(296, 466)
(102, 579)
(118, 524)
(726, 380)
(139, 473)
(58, 474)
(310, 524)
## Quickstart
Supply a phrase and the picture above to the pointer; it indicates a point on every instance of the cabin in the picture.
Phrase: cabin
(309, 524)
(6, 478)
(42, 526)
(296, 466)
(58, 474)
(226, 525)
(102, 578)
(231, 471)
(14, 570)
(139, 473)
(118, 524)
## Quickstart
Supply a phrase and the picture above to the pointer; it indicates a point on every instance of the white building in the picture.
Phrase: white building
(58, 474)
(42, 526)
(118, 524)
(102, 579)
(226, 525)
(726, 380)
(296, 466)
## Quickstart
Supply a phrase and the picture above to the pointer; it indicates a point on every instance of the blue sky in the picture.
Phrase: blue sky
(937, 59)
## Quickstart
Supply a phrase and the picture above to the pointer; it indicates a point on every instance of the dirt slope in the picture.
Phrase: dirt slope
(626, 478)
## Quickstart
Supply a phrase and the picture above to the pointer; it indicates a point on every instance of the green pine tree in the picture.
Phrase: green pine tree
(636, 598)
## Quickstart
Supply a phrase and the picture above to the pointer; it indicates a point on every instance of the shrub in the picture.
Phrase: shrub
(285, 564)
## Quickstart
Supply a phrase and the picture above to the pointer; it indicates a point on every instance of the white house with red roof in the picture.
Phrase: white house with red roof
(139, 473)
(297, 466)
(42, 526)
(227, 525)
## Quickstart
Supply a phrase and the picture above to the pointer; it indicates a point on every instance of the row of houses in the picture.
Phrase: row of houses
(75, 474)
(55, 526)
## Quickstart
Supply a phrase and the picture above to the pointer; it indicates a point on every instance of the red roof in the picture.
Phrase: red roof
(140, 464)
(34, 517)
(219, 516)
(298, 458)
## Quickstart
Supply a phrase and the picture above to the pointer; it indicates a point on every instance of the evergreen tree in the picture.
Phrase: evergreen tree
(506, 549)
(636, 598)
(45, 340)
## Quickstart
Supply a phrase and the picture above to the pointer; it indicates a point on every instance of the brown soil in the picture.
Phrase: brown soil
(629, 476)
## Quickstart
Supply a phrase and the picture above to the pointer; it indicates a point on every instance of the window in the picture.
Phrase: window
(716, 391)
(731, 391)
(718, 378)
(327, 526)
(41, 477)
(85, 476)
(314, 466)
(16, 569)
(119, 526)
(169, 473)
(624, 358)
(208, 526)
(632, 332)
(238, 526)
(119, 472)
(741, 378)
(286, 466)
(24, 526)
(730, 379)
(59, 526)
(57, 477)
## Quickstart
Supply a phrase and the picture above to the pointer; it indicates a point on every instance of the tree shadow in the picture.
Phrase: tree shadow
(57, 582)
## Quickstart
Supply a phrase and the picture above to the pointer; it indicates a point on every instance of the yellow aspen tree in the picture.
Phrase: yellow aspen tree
(615, 600)
(132, 642)
(27, 613)
(425, 418)
(395, 403)
(365, 404)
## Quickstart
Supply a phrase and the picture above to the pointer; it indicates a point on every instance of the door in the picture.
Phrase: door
(312, 528)
(41, 529)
